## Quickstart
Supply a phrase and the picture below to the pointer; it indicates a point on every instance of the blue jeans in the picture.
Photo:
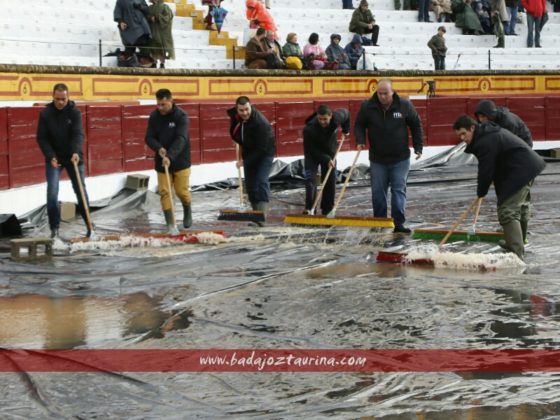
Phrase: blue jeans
(533, 24)
(510, 27)
(424, 11)
(256, 180)
(53, 180)
(439, 62)
(382, 176)
(327, 197)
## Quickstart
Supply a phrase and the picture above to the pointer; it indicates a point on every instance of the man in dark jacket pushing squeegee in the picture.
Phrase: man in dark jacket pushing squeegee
(508, 162)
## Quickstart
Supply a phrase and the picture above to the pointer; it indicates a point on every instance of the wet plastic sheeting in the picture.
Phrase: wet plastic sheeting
(286, 287)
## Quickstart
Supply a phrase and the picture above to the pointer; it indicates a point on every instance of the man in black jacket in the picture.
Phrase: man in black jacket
(61, 138)
(505, 160)
(168, 136)
(387, 118)
(251, 130)
(487, 110)
(319, 148)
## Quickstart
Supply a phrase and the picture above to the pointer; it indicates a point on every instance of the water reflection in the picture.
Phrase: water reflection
(41, 322)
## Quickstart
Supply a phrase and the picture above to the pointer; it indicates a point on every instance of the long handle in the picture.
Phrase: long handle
(83, 195)
(241, 195)
(170, 194)
(346, 181)
(477, 211)
(458, 222)
(320, 193)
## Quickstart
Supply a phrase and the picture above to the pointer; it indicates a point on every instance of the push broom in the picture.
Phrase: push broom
(460, 235)
(330, 219)
(92, 235)
(241, 215)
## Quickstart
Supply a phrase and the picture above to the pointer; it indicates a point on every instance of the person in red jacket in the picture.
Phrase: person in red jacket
(535, 13)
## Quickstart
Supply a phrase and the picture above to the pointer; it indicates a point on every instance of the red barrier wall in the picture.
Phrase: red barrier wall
(115, 133)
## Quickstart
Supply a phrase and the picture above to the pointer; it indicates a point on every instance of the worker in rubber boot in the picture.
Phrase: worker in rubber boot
(508, 162)
(168, 136)
(251, 130)
(319, 149)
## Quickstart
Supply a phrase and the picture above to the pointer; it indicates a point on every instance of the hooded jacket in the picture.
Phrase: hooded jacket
(505, 119)
(320, 144)
(255, 136)
(133, 13)
(335, 53)
(504, 159)
(171, 132)
(354, 50)
(388, 130)
(60, 133)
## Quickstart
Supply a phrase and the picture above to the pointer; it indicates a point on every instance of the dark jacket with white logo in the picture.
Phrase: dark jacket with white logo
(60, 133)
(171, 132)
(255, 136)
(388, 130)
(319, 144)
(504, 159)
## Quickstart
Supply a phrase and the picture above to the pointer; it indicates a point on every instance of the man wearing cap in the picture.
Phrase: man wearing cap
(505, 160)
(363, 23)
(388, 118)
(487, 110)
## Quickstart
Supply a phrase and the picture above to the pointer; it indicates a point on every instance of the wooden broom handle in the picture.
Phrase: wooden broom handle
(477, 211)
(83, 195)
(170, 194)
(320, 193)
(241, 196)
(458, 222)
(346, 181)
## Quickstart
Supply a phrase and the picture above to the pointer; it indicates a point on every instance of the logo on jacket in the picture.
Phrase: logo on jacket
(69, 121)
(172, 125)
(397, 115)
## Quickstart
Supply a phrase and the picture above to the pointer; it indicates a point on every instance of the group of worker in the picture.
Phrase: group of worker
(498, 138)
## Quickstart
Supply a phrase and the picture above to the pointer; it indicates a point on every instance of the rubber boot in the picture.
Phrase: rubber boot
(171, 228)
(262, 206)
(514, 238)
(501, 43)
(524, 225)
(187, 216)
(54, 233)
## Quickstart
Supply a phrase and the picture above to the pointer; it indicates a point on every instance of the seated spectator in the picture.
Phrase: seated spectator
(259, 17)
(363, 23)
(314, 54)
(161, 21)
(465, 17)
(354, 51)
(482, 9)
(292, 52)
(133, 25)
(276, 61)
(336, 56)
(442, 9)
(256, 52)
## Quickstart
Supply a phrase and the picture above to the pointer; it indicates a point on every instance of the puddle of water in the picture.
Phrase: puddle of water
(41, 322)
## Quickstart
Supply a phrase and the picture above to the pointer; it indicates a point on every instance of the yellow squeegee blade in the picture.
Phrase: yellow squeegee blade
(356, 221)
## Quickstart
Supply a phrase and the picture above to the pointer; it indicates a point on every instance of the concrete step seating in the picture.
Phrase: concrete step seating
(67, 32)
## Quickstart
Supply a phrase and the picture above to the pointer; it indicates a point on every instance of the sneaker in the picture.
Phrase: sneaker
(401, 229)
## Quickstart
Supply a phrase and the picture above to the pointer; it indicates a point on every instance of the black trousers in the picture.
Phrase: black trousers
(327, 199)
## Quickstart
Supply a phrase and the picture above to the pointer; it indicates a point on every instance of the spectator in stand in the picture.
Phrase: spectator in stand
(512, 7)
(439, 50)
(161, 22)
(337, 57)
(257, 52)
(259, 17)
(277, 60)
(363, 22)
(354, 51)
(535, 11)
(499, 17)
(211, 4)
(292, 52)
(465, 17)
(347, 4)
(487, 110)
(442, 9)
(424, 11)
(133, 25)
(482, 9)
(314, 54)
